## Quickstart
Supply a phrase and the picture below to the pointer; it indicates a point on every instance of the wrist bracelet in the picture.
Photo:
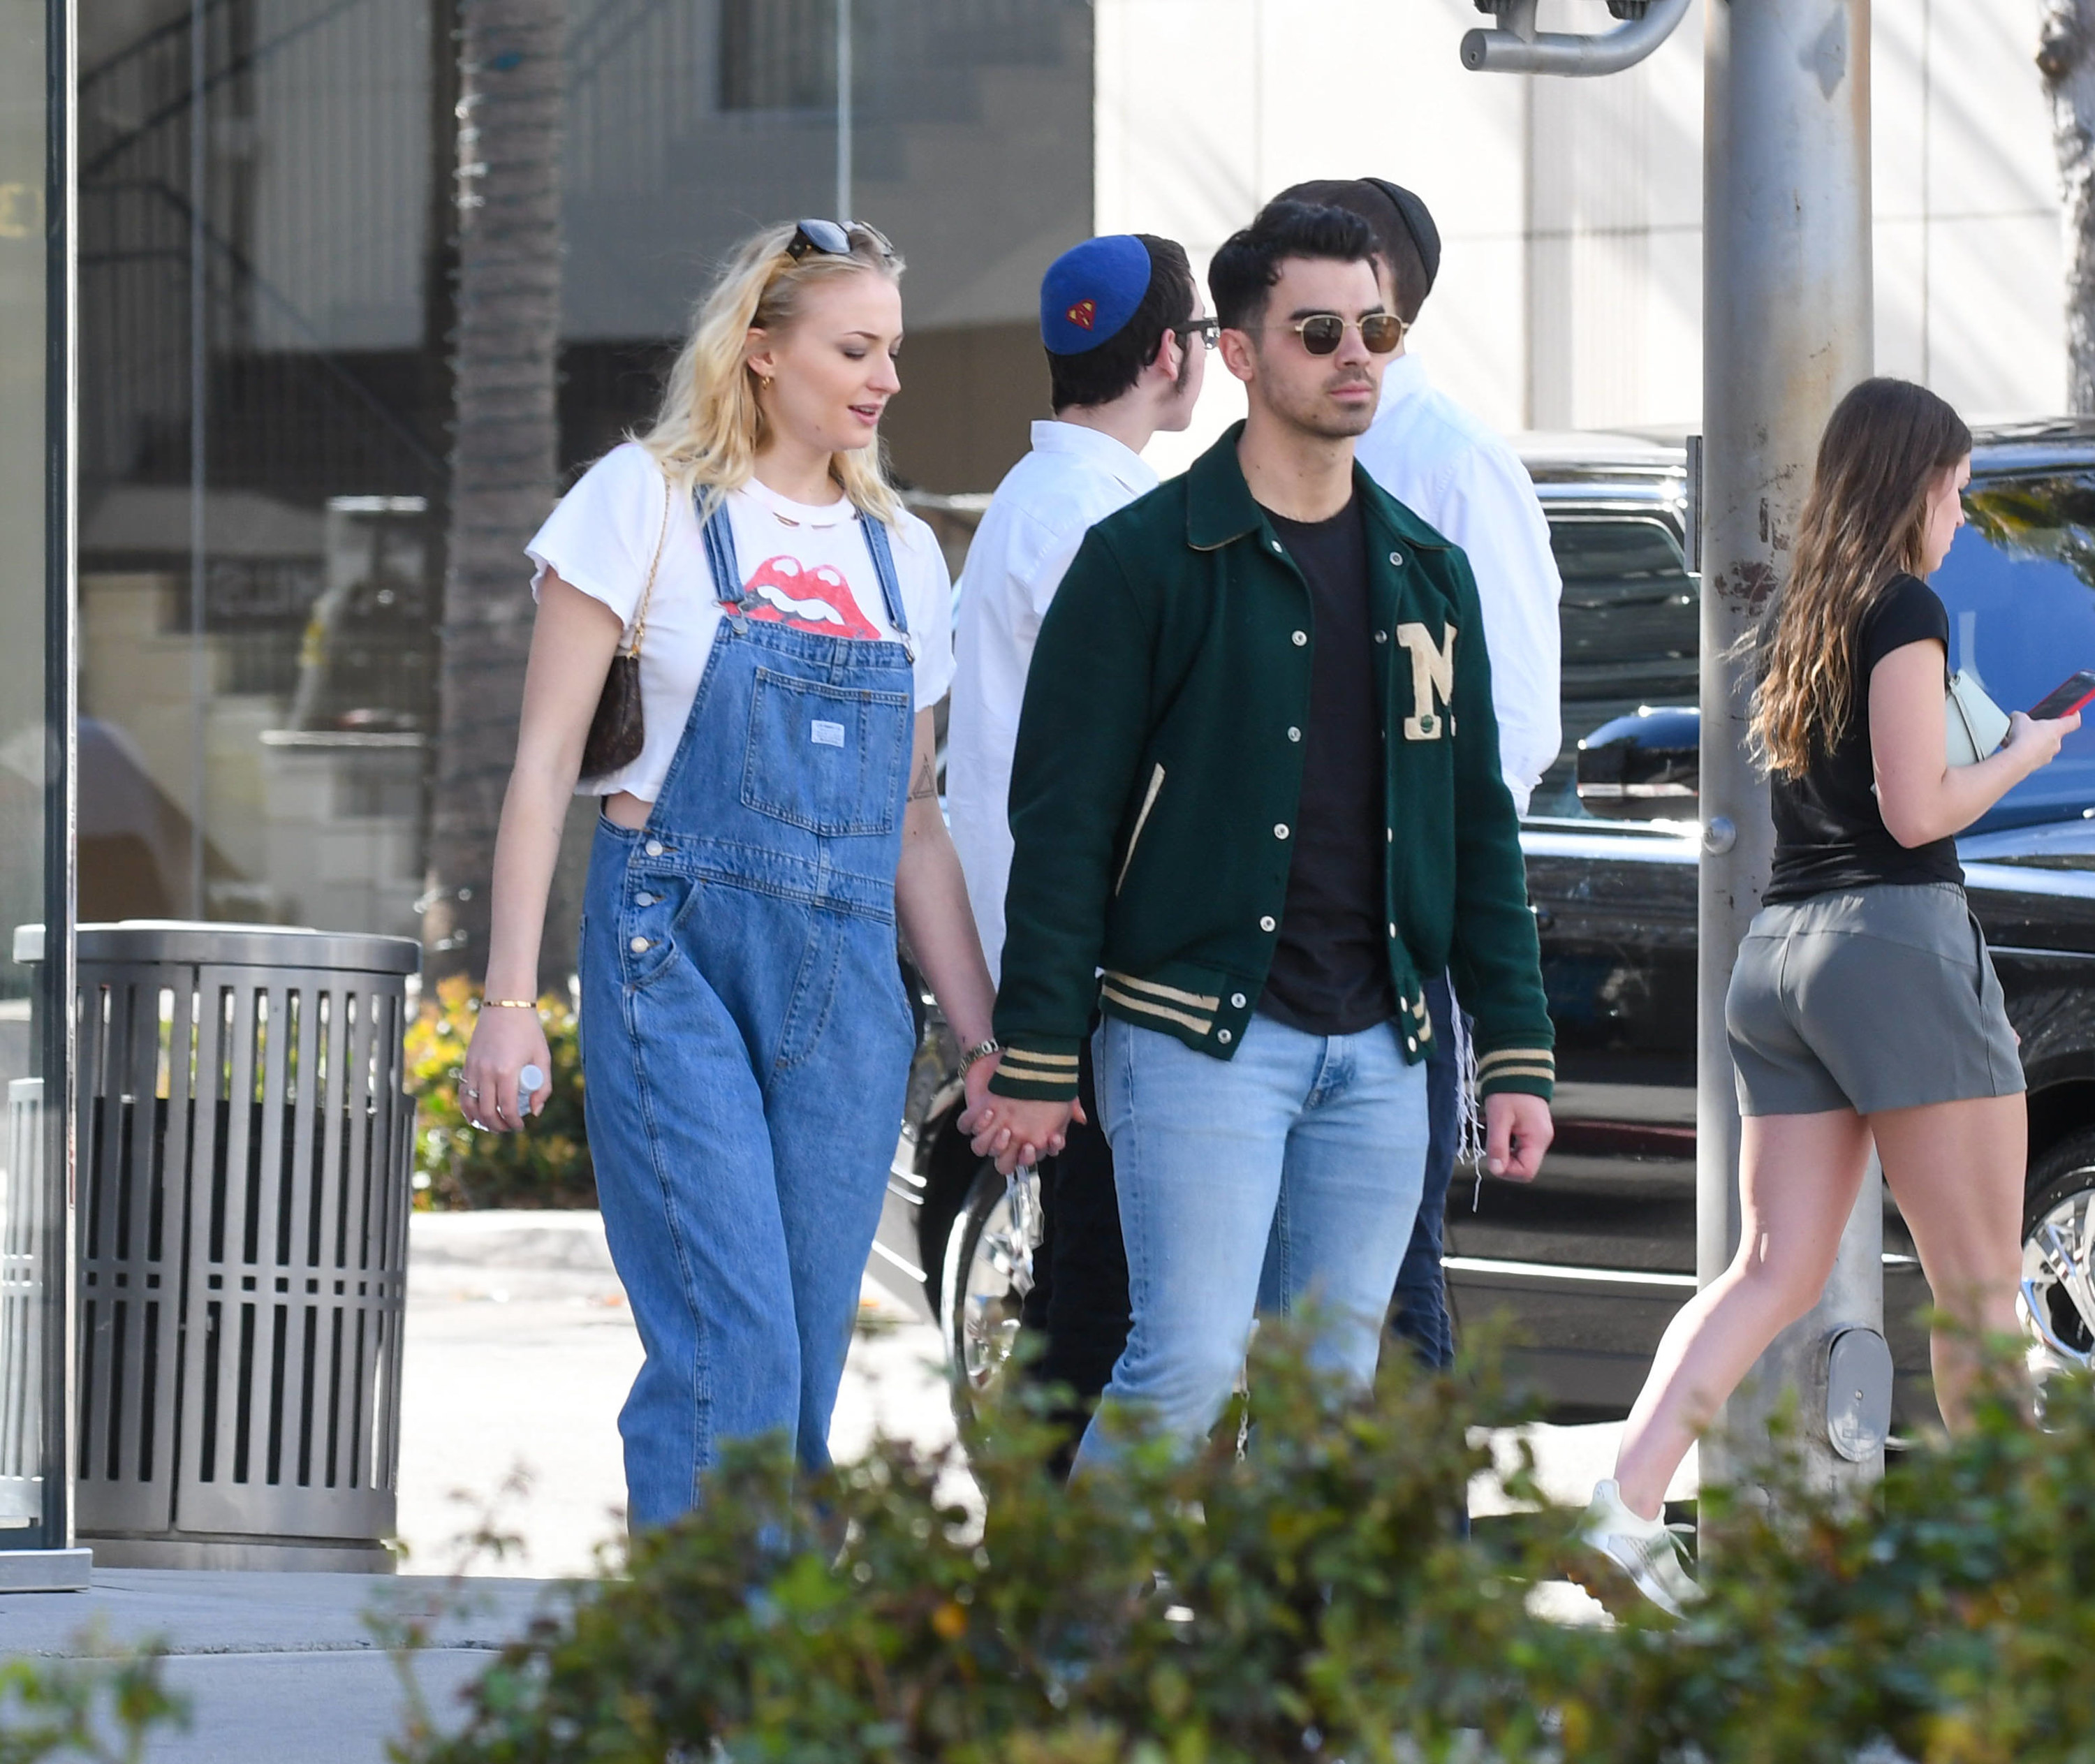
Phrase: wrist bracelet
(981, 1050)
(509, 1004)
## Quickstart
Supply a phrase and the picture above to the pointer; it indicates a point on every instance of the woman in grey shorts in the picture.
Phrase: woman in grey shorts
(1863, 1006)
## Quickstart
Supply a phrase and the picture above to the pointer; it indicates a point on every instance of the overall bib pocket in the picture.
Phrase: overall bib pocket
(826, 759)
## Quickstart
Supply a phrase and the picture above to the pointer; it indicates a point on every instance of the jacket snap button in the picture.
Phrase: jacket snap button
(1396, 558)
(1280, 829)
(1300, 639)
(1293, 734)
(1390, 833)
(643, 900)
(1411, 1044)
(654, 847)
(1277, 545)
(1265, 924)
(639, 946)
(1222, 1036)
(1392, 927)
(1382, 637)
(1236, 1001)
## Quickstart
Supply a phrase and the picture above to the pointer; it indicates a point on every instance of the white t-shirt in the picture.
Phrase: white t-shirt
(805, 567)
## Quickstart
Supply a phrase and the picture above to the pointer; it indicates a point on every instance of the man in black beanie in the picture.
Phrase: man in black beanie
(1451, 468)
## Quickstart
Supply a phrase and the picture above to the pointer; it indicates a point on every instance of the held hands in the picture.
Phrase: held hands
(1517, 1131)
(2035, 743)
(505, 1042)
(1009, 1129)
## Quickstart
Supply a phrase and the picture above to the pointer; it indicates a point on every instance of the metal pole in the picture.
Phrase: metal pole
(843, 110)
(1787, 328)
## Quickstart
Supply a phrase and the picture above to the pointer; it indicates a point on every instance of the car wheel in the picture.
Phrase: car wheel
(987, 1272)
(2059, 1251)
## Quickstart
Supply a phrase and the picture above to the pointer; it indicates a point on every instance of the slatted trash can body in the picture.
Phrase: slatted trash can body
(244, 1152)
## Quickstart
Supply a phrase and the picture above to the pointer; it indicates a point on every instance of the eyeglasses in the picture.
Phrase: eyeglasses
(1321, 333)
(832, 239)
(1210, 331)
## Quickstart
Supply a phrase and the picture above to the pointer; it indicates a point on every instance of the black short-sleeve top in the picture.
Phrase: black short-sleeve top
(1829, 832)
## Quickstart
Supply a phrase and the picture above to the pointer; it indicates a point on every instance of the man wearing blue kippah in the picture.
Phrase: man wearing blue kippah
(1122, 321)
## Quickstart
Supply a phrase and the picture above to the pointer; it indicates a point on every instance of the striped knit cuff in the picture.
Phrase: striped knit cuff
(1532, 1070)
(1037, 1071)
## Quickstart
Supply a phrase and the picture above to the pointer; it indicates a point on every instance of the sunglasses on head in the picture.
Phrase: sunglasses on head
(832, 239)
(1208, 330)
(1321, 333)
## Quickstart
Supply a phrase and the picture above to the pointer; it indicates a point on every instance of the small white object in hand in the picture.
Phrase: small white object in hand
(529, 1081)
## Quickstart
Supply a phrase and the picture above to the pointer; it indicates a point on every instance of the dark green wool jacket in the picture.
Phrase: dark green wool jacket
(1159, 762)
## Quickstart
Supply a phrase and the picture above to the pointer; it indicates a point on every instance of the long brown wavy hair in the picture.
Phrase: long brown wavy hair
(1865, 523)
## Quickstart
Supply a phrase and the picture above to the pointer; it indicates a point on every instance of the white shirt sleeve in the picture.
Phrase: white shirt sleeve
(601, 536)
(1488, 507)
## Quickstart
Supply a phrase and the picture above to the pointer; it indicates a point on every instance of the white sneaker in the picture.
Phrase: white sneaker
(1642, 1550)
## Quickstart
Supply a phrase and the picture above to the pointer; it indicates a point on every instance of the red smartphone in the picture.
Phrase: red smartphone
(2065, 698)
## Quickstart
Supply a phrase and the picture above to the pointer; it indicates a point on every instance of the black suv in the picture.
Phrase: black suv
(1593, 1258)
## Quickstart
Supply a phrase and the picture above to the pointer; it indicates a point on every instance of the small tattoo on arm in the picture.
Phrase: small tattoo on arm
(926, 781)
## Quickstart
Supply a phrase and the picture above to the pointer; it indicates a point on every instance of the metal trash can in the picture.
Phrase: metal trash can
(244, 1147)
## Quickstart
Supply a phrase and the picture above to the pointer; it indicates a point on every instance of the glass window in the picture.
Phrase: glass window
(1631, 626)
(2019, 585)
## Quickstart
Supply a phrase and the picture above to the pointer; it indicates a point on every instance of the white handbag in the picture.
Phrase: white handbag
(1975, 725)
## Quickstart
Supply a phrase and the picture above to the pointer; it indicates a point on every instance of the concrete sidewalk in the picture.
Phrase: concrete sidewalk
(281, 1668)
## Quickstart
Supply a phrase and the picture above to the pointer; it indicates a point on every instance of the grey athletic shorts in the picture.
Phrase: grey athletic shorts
(1869, 999)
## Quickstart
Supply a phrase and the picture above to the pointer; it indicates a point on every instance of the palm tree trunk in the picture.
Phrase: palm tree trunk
(504, 455)
(2065, 56)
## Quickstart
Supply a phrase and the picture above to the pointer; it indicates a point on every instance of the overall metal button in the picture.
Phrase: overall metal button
(1382, 637)
(1223, 1037)
(1236, 1001)
(1277, 546)
(639, 946)
(1300, 639)
(654, 847)
(1293, 734)
(1280, 829)
(1410, 1044)
(1396, 558)
(1265, 924)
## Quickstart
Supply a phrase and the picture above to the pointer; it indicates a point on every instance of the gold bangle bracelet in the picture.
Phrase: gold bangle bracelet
(509, 1004)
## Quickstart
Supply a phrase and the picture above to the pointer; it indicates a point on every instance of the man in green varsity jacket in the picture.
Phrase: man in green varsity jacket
(1256, 802)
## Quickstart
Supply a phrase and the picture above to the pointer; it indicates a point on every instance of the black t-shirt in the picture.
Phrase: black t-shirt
(1829, 830)
(1330, 970)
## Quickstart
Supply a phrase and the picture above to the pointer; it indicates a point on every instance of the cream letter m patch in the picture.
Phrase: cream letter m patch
(1432, 679)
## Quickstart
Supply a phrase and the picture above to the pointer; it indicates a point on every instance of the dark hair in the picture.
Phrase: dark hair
(1396, 228)
(1864, 523)
(1242, 273)
(1100, 375)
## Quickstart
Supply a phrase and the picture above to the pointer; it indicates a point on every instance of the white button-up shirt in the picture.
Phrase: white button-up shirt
(1460, 476)
(1072, 477)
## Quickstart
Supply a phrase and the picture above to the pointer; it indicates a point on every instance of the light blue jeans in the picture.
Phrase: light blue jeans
(1286, 1177)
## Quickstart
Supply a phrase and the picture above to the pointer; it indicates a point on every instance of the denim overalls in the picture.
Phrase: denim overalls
(746, 1037)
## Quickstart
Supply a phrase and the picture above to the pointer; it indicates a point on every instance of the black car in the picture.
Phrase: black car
(1593, 1258)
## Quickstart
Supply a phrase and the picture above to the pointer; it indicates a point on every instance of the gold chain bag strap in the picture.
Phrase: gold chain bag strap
(619, 729)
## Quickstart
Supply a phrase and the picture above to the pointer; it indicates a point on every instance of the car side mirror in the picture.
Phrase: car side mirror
(1646, 766)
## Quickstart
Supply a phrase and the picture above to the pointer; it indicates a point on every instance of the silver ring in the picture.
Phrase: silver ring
(469, 1090)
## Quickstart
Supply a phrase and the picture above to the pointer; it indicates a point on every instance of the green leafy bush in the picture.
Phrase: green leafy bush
(546, 1164)
(103, 1707)
(1311, 1598)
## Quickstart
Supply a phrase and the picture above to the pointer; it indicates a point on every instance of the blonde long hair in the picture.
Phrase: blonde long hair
(1865, 522)
(710, 427)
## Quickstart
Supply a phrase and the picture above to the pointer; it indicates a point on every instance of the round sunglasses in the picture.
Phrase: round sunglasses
(1321, 333)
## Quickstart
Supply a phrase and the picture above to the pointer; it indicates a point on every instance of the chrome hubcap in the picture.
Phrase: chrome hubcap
(2058, 1283)
(998, 1279)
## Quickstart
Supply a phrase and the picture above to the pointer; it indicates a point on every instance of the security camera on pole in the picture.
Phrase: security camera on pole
(1787, 328)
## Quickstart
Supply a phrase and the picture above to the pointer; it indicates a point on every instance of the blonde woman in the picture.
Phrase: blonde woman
(745, 1034)
(1863, 1006)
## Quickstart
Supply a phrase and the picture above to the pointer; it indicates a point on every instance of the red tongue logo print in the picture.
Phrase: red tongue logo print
(818, 599)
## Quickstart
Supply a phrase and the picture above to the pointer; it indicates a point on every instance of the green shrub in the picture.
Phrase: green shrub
(1311, 1600)
(102, 1707)
(547, 1164)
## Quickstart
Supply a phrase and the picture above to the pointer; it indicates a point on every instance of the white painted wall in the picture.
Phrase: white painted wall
(1571, 288)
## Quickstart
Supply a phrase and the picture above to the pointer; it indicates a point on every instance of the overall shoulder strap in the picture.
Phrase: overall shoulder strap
(883, 566)
(718, 531)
